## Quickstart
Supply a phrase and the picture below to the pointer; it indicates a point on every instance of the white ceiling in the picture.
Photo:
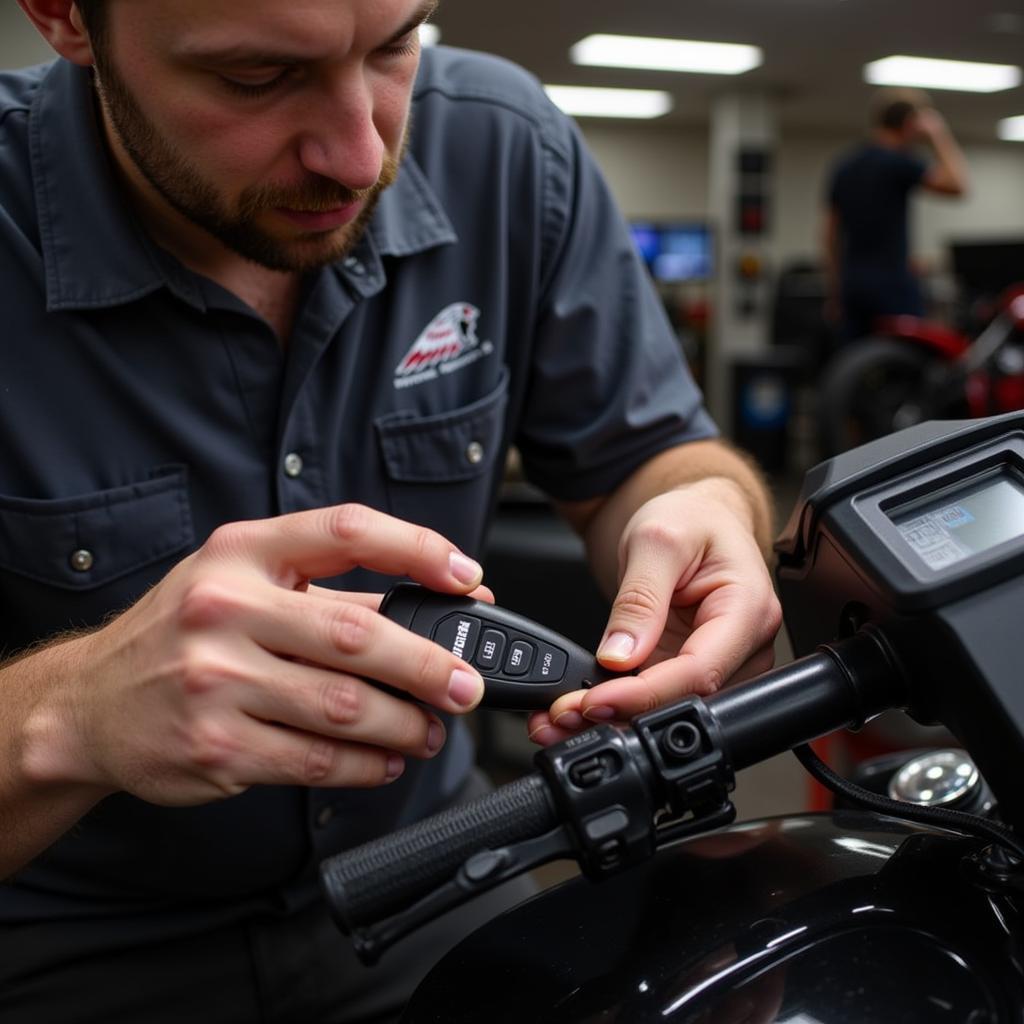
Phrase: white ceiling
(814, 49)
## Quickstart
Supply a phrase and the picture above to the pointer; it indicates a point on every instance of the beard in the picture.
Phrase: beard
(183, 187)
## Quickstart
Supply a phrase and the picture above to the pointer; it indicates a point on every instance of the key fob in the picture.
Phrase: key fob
(524, 665)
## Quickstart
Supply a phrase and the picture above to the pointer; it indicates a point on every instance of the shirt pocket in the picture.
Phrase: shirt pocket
(442, 469)
(70, 561)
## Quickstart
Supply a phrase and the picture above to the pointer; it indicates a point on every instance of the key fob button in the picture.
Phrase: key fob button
(459, 633)
(520, 656)
(492, 647)
(550, 665)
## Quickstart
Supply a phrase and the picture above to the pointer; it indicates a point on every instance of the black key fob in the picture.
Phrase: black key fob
(525, 666)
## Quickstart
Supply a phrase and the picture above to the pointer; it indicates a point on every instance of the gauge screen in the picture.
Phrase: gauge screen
(964, 521)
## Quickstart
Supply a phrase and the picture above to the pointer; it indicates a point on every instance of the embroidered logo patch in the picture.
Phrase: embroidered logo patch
(446, 344)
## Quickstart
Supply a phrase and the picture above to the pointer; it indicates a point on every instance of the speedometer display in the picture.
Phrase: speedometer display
(963, 522)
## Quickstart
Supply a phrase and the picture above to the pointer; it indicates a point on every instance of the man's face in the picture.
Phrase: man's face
(273, 126)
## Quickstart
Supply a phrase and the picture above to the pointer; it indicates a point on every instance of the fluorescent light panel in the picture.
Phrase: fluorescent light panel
(929, 73)
(430, 34)
(665, 54)
(1011, 128)
(583, 101)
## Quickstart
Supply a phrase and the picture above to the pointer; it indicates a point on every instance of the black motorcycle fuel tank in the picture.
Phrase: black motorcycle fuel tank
(844, 918)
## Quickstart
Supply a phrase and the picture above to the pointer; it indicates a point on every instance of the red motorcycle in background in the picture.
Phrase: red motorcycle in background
(914, 370)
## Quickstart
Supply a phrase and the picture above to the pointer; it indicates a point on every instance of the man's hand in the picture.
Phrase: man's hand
(695, 608)
(948, 176)
(235, 671)
(931, 124)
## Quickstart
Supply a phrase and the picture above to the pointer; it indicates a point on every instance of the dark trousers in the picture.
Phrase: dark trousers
(282, 969)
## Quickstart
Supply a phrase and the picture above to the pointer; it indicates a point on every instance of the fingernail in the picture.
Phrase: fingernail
(572, 720)
(396, 765)
(544, 735)
(464, 569)
(618, 647)
(435, 737)
(465, 688)
(600, 713)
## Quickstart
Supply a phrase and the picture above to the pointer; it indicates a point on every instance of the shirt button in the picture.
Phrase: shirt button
(292, 464)
(355, 266)
(474, 452)
(324, 817)
(81, 560)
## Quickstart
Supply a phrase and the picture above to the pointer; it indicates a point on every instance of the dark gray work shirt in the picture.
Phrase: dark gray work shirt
(496, 298)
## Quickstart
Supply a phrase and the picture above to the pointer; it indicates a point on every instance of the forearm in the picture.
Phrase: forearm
(951, 159)
(720, 472)
(37, 804)
(949, 172)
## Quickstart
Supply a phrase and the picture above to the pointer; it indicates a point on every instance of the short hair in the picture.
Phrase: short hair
(892, 107)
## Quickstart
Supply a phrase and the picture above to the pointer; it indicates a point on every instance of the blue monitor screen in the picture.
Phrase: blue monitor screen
(675, 252)
(646, 239)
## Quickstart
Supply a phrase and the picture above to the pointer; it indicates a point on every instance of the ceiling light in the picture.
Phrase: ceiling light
(665, 54)
(1011, 128)
(582, 101)
(430, 34)
(928, 73)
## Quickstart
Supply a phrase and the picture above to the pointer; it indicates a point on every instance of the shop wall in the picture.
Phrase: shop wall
(662, 172)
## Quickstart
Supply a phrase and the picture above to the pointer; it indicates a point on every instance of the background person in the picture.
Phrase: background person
(278, 297)
(866, 234)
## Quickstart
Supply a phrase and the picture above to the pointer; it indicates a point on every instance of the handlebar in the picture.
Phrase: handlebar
(608, 796)
(379, 877)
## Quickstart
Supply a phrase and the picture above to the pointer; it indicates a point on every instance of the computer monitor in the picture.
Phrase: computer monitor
(675, 252)
(987, 267)
(647, 241)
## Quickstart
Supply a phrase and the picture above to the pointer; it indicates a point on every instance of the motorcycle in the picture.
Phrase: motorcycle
(901, 572)
(914, 370)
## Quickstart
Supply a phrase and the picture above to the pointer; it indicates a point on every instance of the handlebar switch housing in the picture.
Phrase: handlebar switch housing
(684, 744)
(604, 796)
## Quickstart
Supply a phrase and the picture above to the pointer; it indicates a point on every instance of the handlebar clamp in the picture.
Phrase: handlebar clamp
(686, 751)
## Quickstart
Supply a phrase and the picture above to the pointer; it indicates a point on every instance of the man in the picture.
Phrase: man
(263, 326)
(867, 258)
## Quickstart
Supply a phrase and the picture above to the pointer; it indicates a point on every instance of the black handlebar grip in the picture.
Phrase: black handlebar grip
(370, 882)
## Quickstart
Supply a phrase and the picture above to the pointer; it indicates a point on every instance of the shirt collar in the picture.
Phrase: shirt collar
(95, 251)
(409, 217)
